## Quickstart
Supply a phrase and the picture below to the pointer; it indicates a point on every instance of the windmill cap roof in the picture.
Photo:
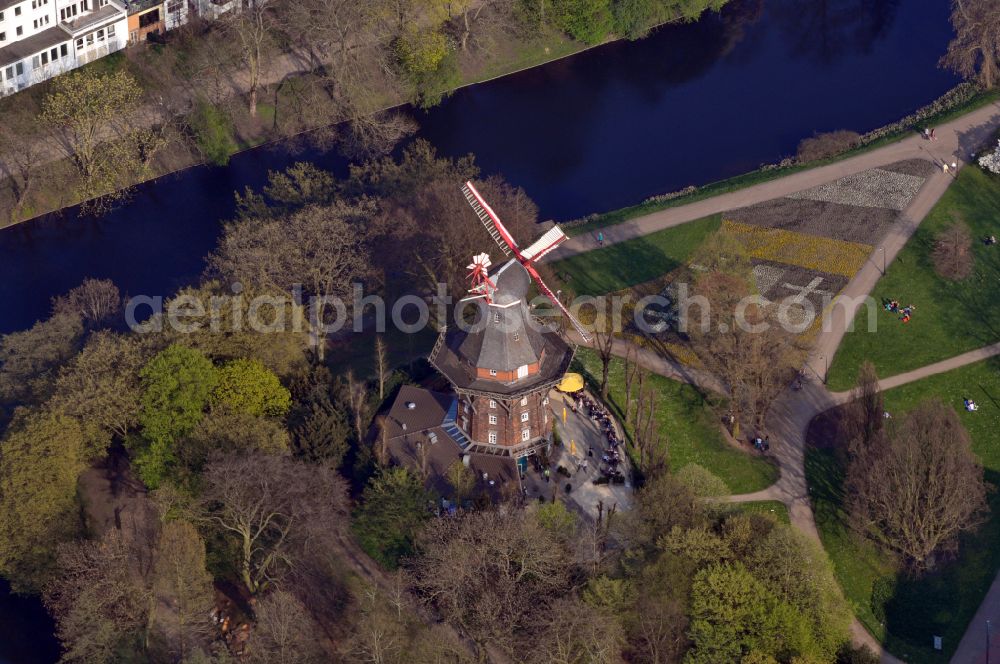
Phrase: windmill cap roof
(512, 282)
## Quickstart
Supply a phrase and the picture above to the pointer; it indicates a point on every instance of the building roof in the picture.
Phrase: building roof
(36, 43)
(109, 13)
(428, 410)
(423, 431)
(136, 6)
(448, 358)
(7, 4)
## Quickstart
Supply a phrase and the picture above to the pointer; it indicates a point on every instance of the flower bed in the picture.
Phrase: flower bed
(809, 251)
(874, 188)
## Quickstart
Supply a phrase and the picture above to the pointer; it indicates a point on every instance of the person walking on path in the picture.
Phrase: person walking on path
(600, 239)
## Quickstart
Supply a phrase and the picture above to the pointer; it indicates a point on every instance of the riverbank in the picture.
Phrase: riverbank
(927, 116)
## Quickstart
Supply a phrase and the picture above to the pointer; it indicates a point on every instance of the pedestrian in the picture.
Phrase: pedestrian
(954, 166)
(944, 167)
(933, 137)
(600, 238)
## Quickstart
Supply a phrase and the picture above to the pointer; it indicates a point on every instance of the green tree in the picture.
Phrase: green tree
(40, 460)
(589, 21)
(213, 132)
(732, 615)
(93, 118)
(101, 389)
(30, 359)
(393, 508)
(177, 384)
(248, 387)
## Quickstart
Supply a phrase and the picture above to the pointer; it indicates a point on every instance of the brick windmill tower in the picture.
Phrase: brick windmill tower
(502, 367)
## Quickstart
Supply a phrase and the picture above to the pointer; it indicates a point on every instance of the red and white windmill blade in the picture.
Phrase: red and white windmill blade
(551, 239)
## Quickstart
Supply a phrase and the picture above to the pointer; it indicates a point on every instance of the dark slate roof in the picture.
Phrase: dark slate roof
(443, 452)
(37, 43)
(428, 411)
(448, 359)
(513, 340)
(136, 6)
(7, 4)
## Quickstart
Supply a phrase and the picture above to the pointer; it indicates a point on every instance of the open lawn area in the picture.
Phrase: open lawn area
(906, 613)
(950, 318)
(689, 425)
(635, 261)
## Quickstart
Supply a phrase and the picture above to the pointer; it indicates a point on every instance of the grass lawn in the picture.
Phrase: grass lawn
(775, 508)
(941, 603)
(950, 318)
(690, 427)
(634, 261)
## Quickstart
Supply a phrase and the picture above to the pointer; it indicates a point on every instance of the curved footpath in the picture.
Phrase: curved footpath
(789, 418)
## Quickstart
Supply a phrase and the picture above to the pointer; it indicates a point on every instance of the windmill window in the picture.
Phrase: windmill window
(493, 419)
(493, 372)
(516, 336)
(524, 416)
(493, 438)
(496, 317)
(493, 403)
(545, 401)
(526, 434)
(524, 401)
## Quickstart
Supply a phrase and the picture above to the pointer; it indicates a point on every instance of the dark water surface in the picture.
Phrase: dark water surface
(689, 105)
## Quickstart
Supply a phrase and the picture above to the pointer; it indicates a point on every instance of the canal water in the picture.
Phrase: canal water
(691, 104)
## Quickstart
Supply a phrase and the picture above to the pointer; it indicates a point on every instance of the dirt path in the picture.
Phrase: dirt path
(956, 141)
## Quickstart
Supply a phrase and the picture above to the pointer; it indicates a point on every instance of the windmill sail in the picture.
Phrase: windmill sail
(490, 220)
(555, 300)
(543, 245)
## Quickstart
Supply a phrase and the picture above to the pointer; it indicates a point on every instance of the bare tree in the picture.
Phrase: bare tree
(604, 342)
(868, 409)
(251, 27)
(272, 508)
(95, 300)
(915, 490)
(182, 592)
(285, 632)
(21, 153)
(355, 393)
(630, 369)
(381, 366)
(323, 250)
(576, 632)
(490, 573)
(952, 255)
(975, 50)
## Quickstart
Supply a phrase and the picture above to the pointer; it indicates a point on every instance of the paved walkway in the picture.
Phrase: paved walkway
(789, 418)
(956, 141)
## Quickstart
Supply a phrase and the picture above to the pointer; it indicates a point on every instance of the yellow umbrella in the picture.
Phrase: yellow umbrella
(571, 382)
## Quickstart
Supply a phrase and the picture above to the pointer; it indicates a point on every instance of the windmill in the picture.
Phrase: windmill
(549, 240)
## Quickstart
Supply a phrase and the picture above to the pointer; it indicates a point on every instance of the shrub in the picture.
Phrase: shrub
(213, 133)
(589, 21)
(701, 481)
(826, 145)
(883, 590)
(952, 255)
(991, 160)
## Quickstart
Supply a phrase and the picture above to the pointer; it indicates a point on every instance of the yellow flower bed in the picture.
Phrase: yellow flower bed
(808, 251)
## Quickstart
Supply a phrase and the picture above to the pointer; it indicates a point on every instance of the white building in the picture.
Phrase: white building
(40, 39)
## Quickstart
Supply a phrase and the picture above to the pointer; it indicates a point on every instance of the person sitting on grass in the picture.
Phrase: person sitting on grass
(971, 405)
(990, 240)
